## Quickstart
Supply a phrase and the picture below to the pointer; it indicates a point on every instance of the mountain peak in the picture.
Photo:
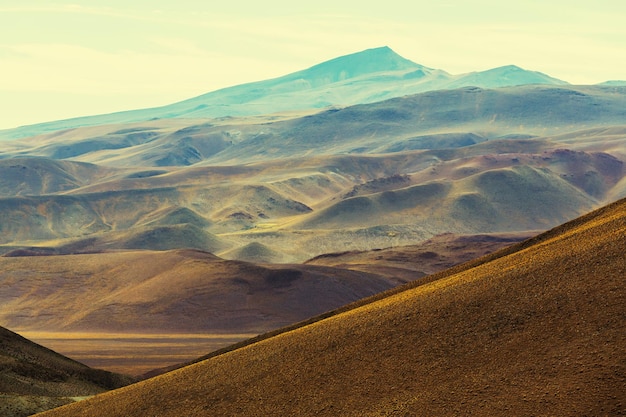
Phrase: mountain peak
(614, 83)
(369, 61)
(363, 77)
(383, 52)
(505, 76)
(510, 68)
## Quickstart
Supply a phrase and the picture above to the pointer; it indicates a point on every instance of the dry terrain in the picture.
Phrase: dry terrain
(534, 329)
(134, 354)
(182, 291)
(143, 239)
(135, 311)
(132, 312)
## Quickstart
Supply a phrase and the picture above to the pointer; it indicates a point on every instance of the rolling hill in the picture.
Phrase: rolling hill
(105, 308)
(535, 329)
(36, 176)
(390, 173)
(34, 379)
(434, 120)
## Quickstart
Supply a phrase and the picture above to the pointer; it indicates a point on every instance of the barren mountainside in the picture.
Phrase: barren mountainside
(170, 292)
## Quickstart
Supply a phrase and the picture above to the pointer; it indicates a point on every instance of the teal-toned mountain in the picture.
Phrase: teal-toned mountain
(614, 83)
(364, 77)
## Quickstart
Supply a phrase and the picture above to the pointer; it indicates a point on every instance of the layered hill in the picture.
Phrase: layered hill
(34, 379)
(132, 312)
(288, 188)
(536, 329)
(371, 75)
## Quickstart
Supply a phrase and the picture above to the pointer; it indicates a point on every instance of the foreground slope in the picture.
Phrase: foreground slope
(537, 329)
(33, 378)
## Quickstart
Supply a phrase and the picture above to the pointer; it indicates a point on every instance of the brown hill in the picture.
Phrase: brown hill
(169, 292)
(135, 311)
(254, 252)
(34, 379)
(111, 331)
(536, 329)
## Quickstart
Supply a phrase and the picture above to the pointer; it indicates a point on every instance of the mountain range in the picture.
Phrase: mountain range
(364, 77)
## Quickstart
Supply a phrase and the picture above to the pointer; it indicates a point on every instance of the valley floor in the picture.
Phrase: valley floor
(133, 354)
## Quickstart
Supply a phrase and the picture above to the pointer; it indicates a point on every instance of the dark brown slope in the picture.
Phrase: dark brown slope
(33, 378)
(538, 330)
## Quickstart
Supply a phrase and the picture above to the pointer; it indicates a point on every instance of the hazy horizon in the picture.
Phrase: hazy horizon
(63, 60)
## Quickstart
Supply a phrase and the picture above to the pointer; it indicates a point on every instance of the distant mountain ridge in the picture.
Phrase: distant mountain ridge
(363, 77)
(614, 83)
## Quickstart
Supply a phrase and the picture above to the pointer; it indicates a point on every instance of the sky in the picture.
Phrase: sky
(63, 59)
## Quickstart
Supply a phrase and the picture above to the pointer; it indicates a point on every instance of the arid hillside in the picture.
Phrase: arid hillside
(135, 311)
(364, 151)
(535, 329)
(34, 379)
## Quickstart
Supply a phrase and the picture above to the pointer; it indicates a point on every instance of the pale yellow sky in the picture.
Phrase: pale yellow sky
(67, 59)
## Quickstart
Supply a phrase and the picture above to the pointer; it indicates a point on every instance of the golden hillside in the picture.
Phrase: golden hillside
(537, 329)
